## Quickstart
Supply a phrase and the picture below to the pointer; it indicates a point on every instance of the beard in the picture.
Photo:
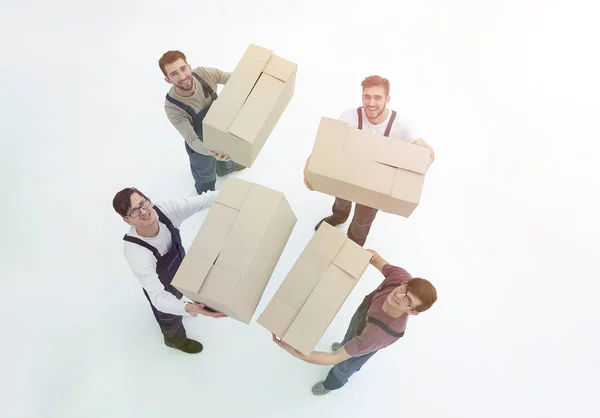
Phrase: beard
(187, 86)
(374, 114)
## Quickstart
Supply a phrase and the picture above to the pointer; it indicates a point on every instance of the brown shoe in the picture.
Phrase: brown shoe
(240, 168)
(331, 220)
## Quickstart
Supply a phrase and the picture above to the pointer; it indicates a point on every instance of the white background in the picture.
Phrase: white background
(507, 230)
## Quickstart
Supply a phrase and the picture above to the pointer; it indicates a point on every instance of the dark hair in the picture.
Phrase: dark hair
(424, 290)
(170, 57)
(122, 200)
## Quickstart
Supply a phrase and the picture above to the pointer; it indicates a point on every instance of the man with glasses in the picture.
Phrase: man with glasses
(379, 321)
(154, 252)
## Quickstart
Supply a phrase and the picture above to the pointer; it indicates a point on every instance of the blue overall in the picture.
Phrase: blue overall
(166, 267)
(340, 373)
(204, 168)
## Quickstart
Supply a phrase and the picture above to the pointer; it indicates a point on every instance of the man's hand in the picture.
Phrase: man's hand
(200, 308)
(374, 253)
(306, 172)
(288, 348)
(219, 156)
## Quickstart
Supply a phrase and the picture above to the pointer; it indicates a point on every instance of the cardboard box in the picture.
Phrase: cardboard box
(315, 289)
(239, 122)
(367, 168)
(236, 249)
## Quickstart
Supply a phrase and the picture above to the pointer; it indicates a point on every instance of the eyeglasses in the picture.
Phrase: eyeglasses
(136, 211)
(406, 299)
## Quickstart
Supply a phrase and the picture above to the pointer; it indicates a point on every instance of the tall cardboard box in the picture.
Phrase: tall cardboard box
(239, 122)
(315, 288)
(236, 249)
(381, 172)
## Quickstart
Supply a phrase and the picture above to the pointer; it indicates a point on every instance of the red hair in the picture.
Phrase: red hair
(170, 57)
(374, 81)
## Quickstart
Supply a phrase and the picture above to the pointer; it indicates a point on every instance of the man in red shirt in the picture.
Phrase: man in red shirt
(378, 322)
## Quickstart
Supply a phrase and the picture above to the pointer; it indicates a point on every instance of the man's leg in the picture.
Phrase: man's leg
(228, 167)
(361, 223)
(340, 211)
(173, 331)
(203, 169)
(340, 373)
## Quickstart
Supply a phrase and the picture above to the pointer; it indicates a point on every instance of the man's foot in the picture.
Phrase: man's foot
(335, 346)
(188, 346)
(319, 389)
(331, 220)
(239, 167)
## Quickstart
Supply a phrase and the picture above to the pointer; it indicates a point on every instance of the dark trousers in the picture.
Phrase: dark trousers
(205, 168)
(361, 221)
(340, 373)
(170, 325)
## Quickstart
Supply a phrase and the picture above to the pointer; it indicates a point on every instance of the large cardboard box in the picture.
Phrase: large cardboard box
(236, 249)
(315, 288)
(239, 122)
(367, 168)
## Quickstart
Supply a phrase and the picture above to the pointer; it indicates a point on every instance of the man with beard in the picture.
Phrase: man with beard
(372, 116)
(186, 104)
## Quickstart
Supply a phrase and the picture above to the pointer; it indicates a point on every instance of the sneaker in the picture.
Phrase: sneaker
(335, 346)
(331, 220)
(188, 346)
(319, 389)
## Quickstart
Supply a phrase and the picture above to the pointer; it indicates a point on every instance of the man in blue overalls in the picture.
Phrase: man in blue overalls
(186, 104)
(154, 251)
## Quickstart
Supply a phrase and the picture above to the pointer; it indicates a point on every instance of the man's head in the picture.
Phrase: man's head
(413, 296)
(376, 95)
(177, 71)
(134, 207)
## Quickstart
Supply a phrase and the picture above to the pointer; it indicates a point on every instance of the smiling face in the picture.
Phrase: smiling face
(374, 101)
(141, 213)
(401, 301)
(179, 74)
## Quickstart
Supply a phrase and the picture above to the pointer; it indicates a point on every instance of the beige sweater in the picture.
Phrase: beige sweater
(180, 118)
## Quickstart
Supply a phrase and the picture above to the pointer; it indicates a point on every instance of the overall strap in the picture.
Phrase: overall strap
(384, 327)
(359, 111)
(388, 129)
(163, 218)
(185, 107)
(143, 244)
(207, 90)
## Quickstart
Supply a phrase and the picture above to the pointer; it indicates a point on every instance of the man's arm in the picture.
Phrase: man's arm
(316, 357)
(178, 210)
(377, 261)
(183, 123)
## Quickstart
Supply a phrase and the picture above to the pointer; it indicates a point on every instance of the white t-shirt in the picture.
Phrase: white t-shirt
(399, 128)
(142, 260)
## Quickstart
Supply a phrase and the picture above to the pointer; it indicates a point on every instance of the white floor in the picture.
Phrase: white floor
(507, 228)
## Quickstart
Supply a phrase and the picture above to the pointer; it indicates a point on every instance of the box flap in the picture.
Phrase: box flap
(389, 151)
(248, 229)
(237, 89)
(408, 186)
(319, 310)
(330, 138)
(257, 108)
(219, 285)
(277, 316)
(191, 275)
(353, 259)
(234, 192)
(279, 68)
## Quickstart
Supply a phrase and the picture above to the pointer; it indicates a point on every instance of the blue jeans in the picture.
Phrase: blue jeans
(340, 373)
